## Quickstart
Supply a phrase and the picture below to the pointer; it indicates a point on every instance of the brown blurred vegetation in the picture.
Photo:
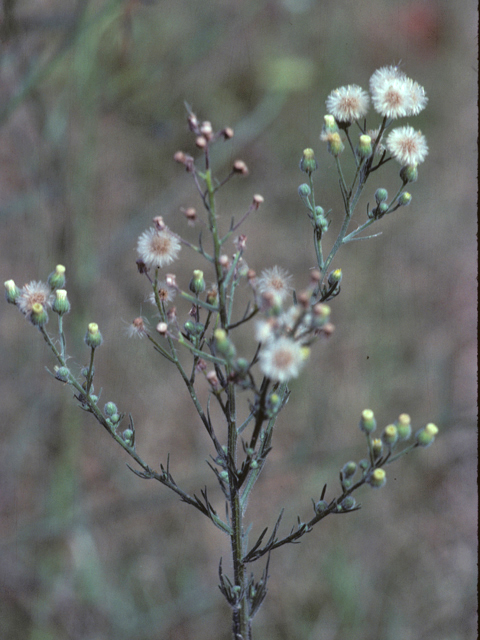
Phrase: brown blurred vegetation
(91, 112)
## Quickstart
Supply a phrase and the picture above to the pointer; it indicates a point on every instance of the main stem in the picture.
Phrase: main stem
(241, 624)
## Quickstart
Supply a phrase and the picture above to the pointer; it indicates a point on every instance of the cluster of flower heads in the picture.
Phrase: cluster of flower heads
(35, 299)
(285, 335)
(393, 96)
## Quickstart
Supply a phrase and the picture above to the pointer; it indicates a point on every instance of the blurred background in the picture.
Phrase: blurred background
(91, 112)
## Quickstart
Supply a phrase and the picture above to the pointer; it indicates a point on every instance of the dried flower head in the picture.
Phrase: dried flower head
(166, 293)
(137, 328)
(34, 293)
(407, 146)
(347, 104)
(282, 359)
(157, 248)
(275, 280)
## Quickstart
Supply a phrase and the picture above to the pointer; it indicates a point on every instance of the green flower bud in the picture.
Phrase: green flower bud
(115, 418)
(212, 297)
(224, 475)
(364, 465)
(304, 190)
(346, 483)
(224, 345)
(378, 478)
(381, 195)
(377, 448)
(61, 305)
(409, 173)
(93, 337)
(364, 148)
(348, 503)
(426, 436)
(11, 291)
(349, 469)
(110, 409)
(381, 210)
(390, 435)
(368, 423)
(62, 374)
(197, 283)
(404, 427)
(189, 328)
(404, 199)
(308, 164)
(128, 437)
(38, 316)
(56, 279)
(321, 506)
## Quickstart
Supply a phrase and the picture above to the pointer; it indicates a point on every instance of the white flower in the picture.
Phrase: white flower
(34, 292)
(385, 75)
(418, 98)
(157, 248)
(348, 103)
(282, 359)
(275, 280)
(407, 146)
(392, 98)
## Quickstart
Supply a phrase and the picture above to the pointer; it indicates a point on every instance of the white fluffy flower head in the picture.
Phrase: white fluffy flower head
(158, 248)
(349, 103)
(407, 146)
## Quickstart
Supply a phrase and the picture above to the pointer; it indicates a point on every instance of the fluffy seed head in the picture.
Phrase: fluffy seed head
(275, 280)
(407, 146)
(282, 359)
(157, 248)
(347, 104)
(32, 293)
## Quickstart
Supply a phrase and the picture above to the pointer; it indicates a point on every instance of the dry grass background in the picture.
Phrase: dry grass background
(88, 551)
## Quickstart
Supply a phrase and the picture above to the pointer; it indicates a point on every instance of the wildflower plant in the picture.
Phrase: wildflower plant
(286, 324)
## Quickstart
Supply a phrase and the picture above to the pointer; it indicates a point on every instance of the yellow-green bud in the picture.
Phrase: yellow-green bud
(197, 283)
(378, 478)
(426, 436)
(110, 409)
(348, 503)
(364, 148)
(349, 469)
(368, 424)
(61, 305)
(321, 506)
(224, 345)
(404, 427)
(335, 277)
(330, 125)
(335, 144)
(308, 164)
(128, 437)
(38, 315)
(62, 373)
(390, 435)
(377, 447)
(56, 279)
(409, 173)
(404, 199)
(93, 337)
(11, 291)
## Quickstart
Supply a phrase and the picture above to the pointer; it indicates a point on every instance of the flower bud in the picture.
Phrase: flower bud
(212, 296)
(378, 478)
(409, 173)
(348, 503)
(304, 190)
(335, 277)
(11, 291)
(381, 210)
(128, 437)
(62, 373)
(110, 409)
(240, 167)
(93, 337)
(335, 144)
(377, 448)
(404, 427)
(162, 328)
(426, 436)
(364, 148)
(363, 465)
(390, 435)
(38, 316)
(404, 199)
(368, 423)
(381, 195)
(308, 163)
(61, 305)
(224, 345)
(257, 200)
(329, 125)
(321, 506)
(56, 279)
(197, 283)
(349, 469)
